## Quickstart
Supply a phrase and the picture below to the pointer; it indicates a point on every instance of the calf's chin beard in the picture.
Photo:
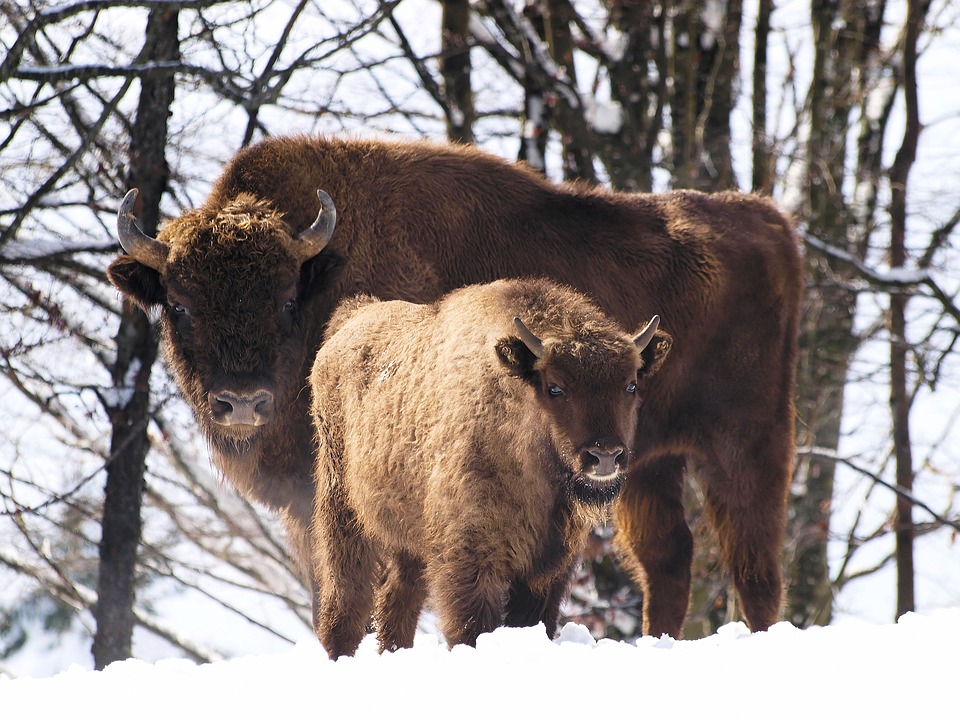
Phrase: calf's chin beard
(594, 492)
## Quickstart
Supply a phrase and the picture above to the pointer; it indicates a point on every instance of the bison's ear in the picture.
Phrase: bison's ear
(654, 353)
(516, 357)
(138, 282)
(320, 272)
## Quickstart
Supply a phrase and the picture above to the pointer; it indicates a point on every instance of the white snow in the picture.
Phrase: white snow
(906, 669)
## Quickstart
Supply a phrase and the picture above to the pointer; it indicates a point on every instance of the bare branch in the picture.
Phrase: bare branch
(834, 456)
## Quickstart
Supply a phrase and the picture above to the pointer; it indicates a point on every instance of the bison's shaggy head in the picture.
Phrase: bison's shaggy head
(232, 283)
(588, 385)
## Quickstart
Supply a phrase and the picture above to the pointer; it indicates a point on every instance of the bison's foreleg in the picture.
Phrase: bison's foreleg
(656, 544)
(399, 601)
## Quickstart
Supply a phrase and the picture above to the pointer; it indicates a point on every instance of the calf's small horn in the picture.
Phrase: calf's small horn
(316, 237)
(528, 338)
(646, 334)
(135, 242)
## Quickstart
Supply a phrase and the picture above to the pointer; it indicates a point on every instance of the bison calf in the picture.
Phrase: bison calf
(470, 444)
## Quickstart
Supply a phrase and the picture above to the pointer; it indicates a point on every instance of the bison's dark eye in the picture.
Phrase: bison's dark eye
(290, 305)
(555, 390)
(180, 318)
(632, 388)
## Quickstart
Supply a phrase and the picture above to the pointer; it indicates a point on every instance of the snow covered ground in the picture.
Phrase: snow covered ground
(907, 669)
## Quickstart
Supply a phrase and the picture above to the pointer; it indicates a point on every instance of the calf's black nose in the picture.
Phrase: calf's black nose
(606, 460)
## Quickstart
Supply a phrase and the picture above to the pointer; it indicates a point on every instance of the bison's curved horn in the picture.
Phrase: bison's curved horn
(532, 342)
(646, 334)
(316, 237)
(135, 242)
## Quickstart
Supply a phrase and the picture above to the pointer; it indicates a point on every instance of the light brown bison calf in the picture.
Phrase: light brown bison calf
(469, 453)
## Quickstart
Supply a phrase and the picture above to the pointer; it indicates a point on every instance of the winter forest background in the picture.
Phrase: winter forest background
(846, 111)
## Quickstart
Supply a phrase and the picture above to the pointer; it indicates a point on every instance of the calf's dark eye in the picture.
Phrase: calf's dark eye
(555, 390)
(632, 388)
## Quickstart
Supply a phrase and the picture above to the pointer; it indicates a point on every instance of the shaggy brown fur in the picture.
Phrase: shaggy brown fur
(473, 465)
(416, 220)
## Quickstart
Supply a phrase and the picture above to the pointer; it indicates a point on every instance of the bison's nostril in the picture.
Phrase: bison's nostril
(220, 405)
(264, 403)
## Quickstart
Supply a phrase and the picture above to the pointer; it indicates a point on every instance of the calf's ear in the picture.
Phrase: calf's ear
(654, 353)
(516, 357)
(138, 282)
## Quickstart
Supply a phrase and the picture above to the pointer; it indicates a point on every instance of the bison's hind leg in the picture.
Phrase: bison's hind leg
(747, 504)
(399, 601)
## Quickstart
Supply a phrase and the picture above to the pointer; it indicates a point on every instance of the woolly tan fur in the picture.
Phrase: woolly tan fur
(442, 449)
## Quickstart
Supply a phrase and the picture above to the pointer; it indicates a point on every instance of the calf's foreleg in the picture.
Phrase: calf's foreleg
(470, 595)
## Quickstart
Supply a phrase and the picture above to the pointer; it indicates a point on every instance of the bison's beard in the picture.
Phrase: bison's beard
(237, 458)
(233, 446)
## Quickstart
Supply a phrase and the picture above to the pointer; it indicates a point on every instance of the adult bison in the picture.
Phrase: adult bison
(471, 443)
(247, 281)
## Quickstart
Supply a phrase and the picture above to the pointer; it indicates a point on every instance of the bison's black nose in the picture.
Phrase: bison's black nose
(606, 460)
(252, 407)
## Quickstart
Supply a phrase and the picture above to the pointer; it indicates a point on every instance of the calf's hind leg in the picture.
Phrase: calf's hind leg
(399, 601)
(656, 543)
(346, 567)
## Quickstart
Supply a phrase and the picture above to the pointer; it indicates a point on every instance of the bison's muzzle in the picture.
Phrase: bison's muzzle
(251, 407)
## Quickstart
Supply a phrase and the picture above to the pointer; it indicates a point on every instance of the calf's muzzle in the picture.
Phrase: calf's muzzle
(606, 460)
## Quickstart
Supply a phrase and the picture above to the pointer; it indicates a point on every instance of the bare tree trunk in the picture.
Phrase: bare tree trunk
(899, 393)
(628, 154)
(827, 341)
(577, 143)
(455, 68)
(706, 60)
(763, 175)
(136, 353)
(845, 35)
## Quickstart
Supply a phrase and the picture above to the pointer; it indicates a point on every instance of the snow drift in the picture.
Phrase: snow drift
(868, 671)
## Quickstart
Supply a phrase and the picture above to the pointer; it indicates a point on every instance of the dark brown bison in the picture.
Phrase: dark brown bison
(471, 443)
(245, 296)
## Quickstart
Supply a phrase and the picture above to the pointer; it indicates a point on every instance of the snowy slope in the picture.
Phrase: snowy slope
(856, 670)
